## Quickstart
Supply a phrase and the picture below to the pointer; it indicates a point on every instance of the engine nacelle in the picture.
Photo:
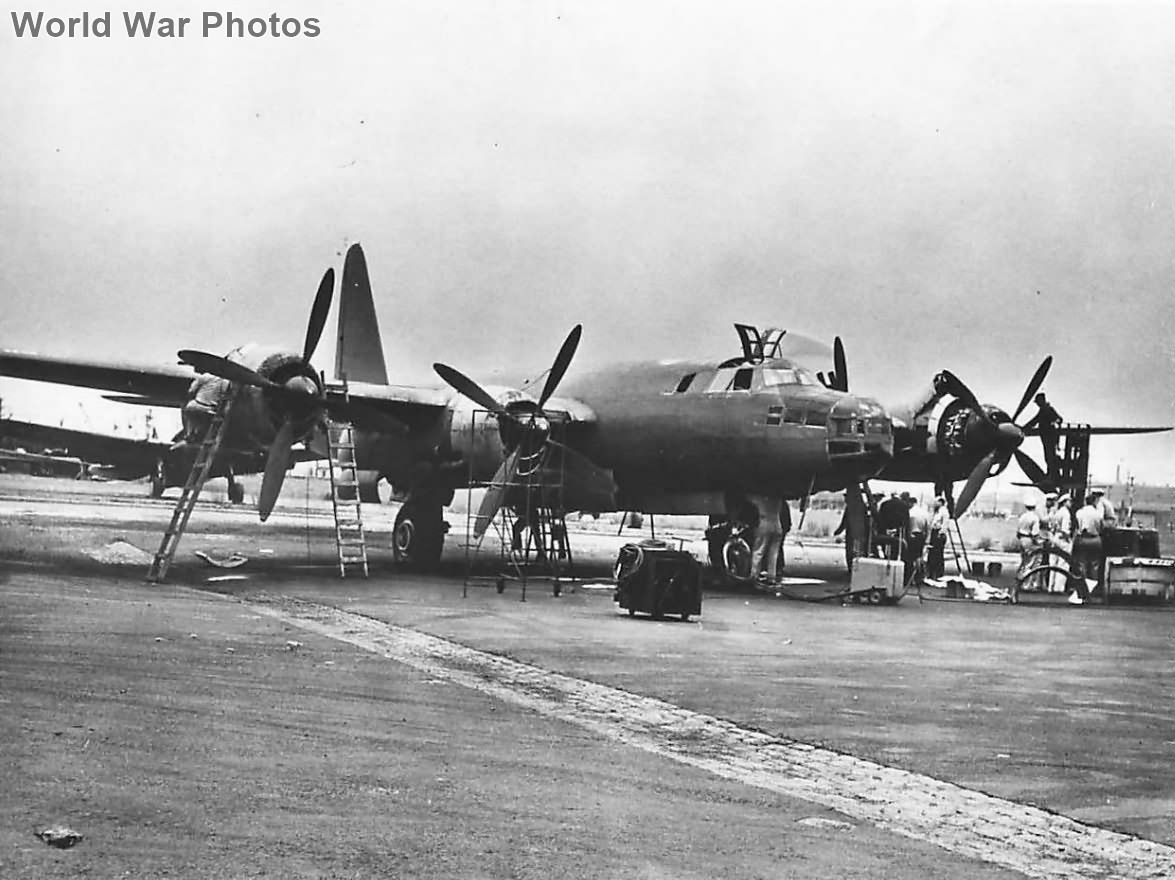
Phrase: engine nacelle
(475, 438)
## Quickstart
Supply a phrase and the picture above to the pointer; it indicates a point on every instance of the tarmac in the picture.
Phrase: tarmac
(277, 720)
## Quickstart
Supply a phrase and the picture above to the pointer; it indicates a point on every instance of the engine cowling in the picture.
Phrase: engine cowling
(475, 437)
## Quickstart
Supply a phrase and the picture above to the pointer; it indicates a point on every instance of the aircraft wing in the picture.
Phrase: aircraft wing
(410, 402)
(128, 457)
(133, 457)
(1102, 430)
(165, 385)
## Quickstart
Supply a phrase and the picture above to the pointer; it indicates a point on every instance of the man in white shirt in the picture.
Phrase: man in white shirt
(1087, 545)
(1060, 537)
(919, 526)
(1106, 506)
(939, 520)
(1028, 534)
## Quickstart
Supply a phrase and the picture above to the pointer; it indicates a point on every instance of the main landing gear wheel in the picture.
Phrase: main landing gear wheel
(236, 492)
(418, 536)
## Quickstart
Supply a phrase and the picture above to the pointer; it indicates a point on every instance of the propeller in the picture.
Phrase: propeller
(838, 378)
(302, 396)
(1004, 437)
(529, 431)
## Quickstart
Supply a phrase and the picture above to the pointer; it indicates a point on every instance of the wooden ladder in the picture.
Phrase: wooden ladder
(344, 494)
(201, 468)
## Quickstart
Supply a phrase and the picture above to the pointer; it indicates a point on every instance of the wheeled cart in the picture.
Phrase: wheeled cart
(877, 581)
(657, 580)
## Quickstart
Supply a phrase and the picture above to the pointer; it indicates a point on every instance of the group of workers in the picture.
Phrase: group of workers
(906, 530)
(1076, 534)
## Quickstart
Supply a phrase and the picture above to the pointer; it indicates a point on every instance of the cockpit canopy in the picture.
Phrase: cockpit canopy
(775, 373)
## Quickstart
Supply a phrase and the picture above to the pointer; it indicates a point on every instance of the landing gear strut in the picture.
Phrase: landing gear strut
(419, 533)
(236, 492)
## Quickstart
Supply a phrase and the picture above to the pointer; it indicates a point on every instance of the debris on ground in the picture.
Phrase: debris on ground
(60, 836)
(120, 553)
(292, 645)
(968, 588)
(233, 560)
(822, 822)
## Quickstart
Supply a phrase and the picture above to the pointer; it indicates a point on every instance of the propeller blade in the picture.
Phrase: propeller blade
(975, 482)
(956, 387)
(276, 465)
(204, 362)
(318, 313)
(464, 385)
(562, 361)
(840, 365)
(1033, 385)
(495, 494)
(1031, 469)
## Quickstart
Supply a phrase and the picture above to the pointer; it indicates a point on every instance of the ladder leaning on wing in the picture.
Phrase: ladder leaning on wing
(201, 468)
(344, 494)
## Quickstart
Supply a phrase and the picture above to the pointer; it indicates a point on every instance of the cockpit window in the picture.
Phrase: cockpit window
(684, 384)
(742, 380)
(773, 376)
(789, 375)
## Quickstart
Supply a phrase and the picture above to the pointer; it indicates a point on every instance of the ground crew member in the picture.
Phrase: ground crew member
(768, 537)
(1046, 516)
(784, 528)
(939, 522)
(893, 521)
(919, 524)
(1029, 536)
(1048, 421)
(1106, 506)
(1088, 558)
(1061, 538)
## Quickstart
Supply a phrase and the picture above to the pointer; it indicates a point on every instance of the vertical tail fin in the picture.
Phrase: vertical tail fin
(359, 353)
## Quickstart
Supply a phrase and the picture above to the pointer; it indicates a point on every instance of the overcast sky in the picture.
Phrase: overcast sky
(962, 186)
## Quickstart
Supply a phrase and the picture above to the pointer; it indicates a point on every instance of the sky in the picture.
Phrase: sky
(944, 185)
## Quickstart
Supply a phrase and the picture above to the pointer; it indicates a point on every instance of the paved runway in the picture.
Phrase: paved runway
(1034, 741)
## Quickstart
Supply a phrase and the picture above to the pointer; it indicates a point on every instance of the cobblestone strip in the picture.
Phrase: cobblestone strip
(1026, 839)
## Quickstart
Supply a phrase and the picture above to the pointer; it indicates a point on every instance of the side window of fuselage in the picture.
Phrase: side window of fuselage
(684, 384)
(742, 379)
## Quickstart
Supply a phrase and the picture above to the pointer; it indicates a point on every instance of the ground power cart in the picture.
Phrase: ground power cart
(654, 579)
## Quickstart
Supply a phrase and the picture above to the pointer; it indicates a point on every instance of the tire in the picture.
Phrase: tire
(736, 555)
(236, 493)
(418, 536)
